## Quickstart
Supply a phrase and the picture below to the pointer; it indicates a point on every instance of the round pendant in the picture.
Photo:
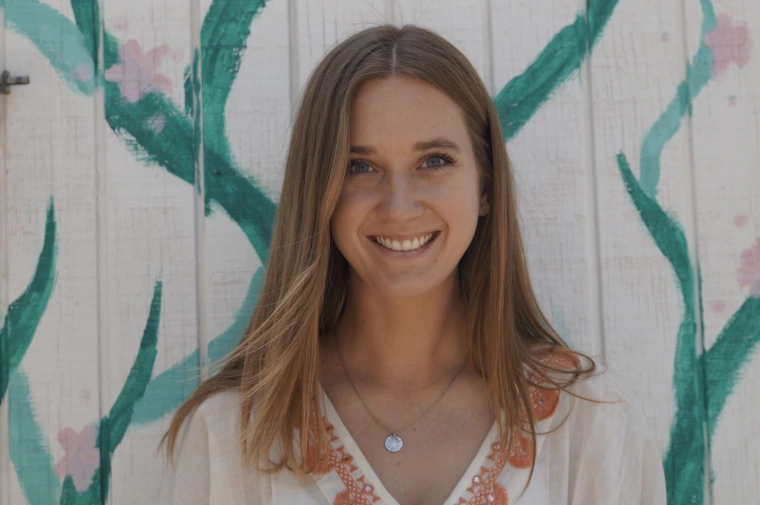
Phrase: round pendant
(394, 443)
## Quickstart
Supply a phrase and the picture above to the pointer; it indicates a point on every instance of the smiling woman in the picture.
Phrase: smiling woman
(397, 353)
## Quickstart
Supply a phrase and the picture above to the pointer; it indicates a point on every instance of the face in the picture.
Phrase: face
(401, 185)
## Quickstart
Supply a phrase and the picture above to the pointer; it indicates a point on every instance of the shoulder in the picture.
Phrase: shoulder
(208, 466)
(601, 428)
(220, 405)
(218, 415)
(601, 403)
(216, 420)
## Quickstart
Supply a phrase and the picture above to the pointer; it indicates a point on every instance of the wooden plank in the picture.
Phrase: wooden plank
(553, 169)
(726, 163)
(636, 71)
(323, 23)
(465, 24)
(149, 223)
(5, 456)
(53, 397)
(255, 123)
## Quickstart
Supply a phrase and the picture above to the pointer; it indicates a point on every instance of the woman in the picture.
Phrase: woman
(397, 354)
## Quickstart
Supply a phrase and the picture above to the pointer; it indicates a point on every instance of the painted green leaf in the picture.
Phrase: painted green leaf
(29, 453)
(735, 345)
(519, 100)
(25, 313)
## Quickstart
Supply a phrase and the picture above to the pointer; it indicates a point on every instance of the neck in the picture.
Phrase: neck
(403, 342)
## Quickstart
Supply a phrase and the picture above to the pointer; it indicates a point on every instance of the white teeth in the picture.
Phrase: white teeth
(407, 245)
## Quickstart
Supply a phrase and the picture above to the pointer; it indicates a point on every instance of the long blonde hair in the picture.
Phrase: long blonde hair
(275, 364)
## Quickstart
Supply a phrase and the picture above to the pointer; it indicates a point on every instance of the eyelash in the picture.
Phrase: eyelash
(450, 160)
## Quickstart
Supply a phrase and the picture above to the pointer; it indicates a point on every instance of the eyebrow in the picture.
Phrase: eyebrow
(438, 142)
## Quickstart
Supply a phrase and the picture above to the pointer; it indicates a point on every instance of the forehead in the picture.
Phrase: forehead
(398, 111)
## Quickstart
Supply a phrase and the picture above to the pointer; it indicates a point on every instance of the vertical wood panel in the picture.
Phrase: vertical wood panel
(635, 71)
(256, 124)
(323, 23)
(5, 457)
(150, 225)
(552, 167)
(461, 23)
(50, 156)
(726, 129)
(596, 268)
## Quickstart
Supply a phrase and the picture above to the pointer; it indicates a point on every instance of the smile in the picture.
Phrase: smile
(407, 246)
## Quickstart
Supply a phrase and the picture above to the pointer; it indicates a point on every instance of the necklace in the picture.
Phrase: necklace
(393, 442)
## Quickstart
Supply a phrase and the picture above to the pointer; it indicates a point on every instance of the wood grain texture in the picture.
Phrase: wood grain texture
(634, 73)
(726, 160)
(149, 186)
(50, 154)
(554, 174)
(149, 230)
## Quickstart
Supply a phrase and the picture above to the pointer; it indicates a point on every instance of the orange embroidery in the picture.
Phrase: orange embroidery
(358, 491)
(320, 467)
(498, 496)
(521, 452)
(544, 402)
(344, 498)
(484, 489)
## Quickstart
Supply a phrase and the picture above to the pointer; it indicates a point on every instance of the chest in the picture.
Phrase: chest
(437, 450)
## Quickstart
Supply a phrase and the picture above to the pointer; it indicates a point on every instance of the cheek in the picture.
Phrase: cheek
(348, 215)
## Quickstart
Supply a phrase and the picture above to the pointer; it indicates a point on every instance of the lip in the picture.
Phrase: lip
(408, 236)
(407, 254)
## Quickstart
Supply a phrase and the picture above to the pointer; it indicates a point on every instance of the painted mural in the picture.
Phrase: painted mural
(169, 137)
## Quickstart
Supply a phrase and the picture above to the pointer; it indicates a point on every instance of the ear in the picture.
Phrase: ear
(484, 205)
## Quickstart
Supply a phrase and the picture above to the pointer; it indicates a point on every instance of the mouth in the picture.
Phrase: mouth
(414, 248)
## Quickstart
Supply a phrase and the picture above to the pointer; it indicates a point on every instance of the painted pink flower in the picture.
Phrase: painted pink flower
(749, 270)
(728, 43)
(136, 74)
(121, 23)
(81, 458)
(718, 305)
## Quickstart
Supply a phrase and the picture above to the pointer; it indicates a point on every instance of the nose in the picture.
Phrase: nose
(399, 198)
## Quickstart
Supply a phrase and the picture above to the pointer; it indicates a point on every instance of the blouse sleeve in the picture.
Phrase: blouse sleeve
(187, 478)
(621, 462)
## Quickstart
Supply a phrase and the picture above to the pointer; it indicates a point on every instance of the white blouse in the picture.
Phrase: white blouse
(602, 454)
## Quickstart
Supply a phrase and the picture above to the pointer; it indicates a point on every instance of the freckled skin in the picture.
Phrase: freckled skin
(391, 115)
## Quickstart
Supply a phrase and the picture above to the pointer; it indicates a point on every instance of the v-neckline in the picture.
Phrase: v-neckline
(466, 480)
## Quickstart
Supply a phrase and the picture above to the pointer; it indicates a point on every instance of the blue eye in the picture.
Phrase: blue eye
(352, 165)
(447, 160)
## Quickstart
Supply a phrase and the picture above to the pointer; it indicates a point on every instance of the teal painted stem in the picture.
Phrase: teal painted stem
(685, 458)
(87, 16)
(698, 74)
(224, 33)
(25, 313)
(239, 197)
(30, 456)
(524, 95)
(55, 37)
(114, 425)
(736, 344)
(169, 389)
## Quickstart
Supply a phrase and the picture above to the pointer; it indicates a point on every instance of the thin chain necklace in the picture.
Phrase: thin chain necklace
(393, 442)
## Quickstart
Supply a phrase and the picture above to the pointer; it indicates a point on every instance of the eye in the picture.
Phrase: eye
(356, 163)
(446, 161)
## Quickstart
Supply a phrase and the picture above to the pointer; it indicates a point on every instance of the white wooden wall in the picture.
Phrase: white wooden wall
(123, 214)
